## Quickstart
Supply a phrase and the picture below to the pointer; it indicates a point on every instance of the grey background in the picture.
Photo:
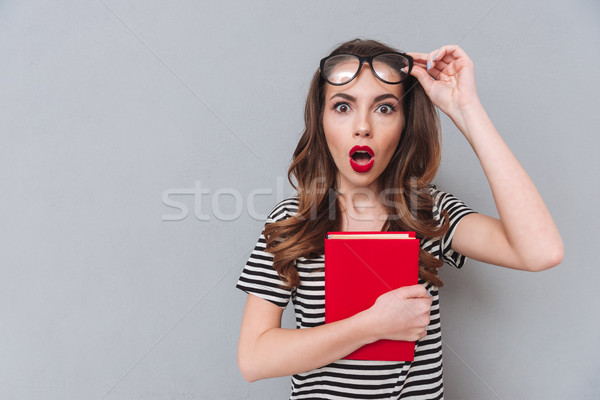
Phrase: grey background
(108, 105)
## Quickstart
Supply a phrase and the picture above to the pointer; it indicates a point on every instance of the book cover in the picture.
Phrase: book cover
(361, 266)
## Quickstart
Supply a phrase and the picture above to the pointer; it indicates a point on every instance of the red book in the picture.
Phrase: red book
(361, 266)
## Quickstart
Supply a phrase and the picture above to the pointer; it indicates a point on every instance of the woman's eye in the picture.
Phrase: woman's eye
(386, 109)
(341, 107)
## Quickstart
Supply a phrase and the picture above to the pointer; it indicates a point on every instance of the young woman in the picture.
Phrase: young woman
(365, 162)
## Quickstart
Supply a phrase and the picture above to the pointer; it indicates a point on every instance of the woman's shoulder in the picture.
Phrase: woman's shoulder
(435, 192)
(286, 208)
(446, 201)
(440, 197)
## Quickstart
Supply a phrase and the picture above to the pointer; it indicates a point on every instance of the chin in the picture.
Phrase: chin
(362, 181)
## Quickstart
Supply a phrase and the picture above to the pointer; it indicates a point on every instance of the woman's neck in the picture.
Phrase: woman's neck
(361, 210)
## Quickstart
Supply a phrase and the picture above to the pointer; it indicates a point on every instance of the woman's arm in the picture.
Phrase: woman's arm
(266, 350)
(525, 237)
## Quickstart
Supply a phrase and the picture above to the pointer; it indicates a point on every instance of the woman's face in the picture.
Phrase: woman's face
(366, 113)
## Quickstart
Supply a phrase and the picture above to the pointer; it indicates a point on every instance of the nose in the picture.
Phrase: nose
(362, 127)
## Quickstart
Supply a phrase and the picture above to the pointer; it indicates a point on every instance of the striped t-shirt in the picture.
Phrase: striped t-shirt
(357, 379)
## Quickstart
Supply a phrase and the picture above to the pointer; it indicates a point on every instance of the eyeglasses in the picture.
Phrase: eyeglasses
(391, 68)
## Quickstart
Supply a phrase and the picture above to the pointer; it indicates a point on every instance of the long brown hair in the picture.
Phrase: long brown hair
(411, 169)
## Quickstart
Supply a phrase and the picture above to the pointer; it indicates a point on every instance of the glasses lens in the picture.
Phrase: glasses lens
(340, 69)
(389, 67)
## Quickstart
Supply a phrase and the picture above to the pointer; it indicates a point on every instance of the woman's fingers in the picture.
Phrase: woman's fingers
(447, 75)
(426, 59)
(438, 59)
(451, 54)
(437, 68)
(440, 63)
(423, 76)
(434, 71)
(434, 62)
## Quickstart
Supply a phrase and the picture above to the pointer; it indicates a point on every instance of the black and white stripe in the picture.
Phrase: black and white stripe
(357, 379)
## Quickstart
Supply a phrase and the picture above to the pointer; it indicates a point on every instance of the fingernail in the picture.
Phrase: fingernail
(429, 293)
(434, 57)
(428, 65)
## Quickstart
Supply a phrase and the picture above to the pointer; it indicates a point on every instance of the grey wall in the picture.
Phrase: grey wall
(107, 106)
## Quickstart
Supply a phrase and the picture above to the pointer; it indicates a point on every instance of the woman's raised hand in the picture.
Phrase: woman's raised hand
(448, 77)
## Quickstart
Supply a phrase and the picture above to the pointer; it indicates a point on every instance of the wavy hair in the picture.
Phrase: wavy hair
(405, 180)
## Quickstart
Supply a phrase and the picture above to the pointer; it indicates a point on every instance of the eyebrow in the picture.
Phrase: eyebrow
(375, 100)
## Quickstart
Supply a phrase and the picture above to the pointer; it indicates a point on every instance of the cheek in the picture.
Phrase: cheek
(333, 135)
(392, 140)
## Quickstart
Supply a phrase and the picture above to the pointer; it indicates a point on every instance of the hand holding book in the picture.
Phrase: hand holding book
(401, 314)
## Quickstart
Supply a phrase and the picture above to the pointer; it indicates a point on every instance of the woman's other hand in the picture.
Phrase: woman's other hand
(448, 77)
(401, 314)
(525, 236)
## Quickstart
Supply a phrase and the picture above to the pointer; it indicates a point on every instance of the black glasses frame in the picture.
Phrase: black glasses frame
(362, 60)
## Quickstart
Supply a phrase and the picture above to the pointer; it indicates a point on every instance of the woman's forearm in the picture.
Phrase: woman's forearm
(529, 227)
(280, 352)
(266, 350)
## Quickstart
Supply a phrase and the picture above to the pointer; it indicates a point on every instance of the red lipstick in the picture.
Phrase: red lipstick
(361, 158)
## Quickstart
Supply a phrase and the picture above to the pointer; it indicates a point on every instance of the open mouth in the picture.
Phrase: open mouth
(361, 158)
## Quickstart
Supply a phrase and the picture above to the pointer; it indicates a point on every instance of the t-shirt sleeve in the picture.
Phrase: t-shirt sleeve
(456, 210)
(259, 277)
